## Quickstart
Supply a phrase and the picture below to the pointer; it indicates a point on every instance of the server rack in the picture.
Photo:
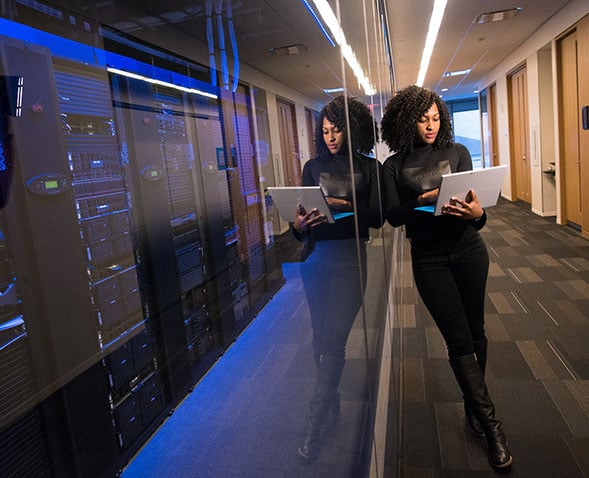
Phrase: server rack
(23, 442)
(259, 272)
(245, 238)
(182, 298)
(102, 202)
(190, 245)
(60, 323)
(41, 217)
(219, 210)
(134, 268)
(103, 199)
(22, 433)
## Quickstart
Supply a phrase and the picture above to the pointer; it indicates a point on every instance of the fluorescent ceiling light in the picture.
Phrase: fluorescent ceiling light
(161, 83)
(430, 41)
(456, 73)
(329, 18)
(497, 16)
(333, 90)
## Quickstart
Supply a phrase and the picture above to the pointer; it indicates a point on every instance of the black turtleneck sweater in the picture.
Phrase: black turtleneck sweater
(408, 176)
(333, 175)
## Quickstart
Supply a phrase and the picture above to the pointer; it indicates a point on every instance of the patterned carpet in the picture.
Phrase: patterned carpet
(537, 323)
(246, 417)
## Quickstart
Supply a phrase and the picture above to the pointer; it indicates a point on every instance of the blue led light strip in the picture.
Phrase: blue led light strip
(319, 22)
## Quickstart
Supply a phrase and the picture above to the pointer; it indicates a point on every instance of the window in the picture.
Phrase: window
(467, 127)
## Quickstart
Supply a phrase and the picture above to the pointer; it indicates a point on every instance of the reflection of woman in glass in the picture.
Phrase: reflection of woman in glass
(334, 273)
(449, 258)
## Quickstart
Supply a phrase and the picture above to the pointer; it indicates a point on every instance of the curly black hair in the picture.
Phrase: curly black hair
(399, 121)
(362, 125)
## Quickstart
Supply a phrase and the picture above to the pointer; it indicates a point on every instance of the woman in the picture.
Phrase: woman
(331, 274)
(449, 259)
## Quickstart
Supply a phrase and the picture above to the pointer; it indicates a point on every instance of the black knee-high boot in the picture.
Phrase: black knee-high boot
(480, 350)
(470, 378)
(334, 410)
(333, 414)
(328, 376)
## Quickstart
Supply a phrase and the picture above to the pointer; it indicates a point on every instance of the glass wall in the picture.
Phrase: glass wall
(158, 315)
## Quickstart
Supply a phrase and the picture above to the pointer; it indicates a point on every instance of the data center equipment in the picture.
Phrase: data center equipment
(142, 253)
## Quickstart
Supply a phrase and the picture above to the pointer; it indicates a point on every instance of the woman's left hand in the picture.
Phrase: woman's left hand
(469, 208)
(337, 204)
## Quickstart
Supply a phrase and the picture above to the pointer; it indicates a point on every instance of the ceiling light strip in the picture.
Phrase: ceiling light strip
(319, 22)
(153, 81)
(329, 18)
(432, 35)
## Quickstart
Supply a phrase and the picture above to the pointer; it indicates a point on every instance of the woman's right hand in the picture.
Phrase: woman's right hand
(304, 221)
(428, 197)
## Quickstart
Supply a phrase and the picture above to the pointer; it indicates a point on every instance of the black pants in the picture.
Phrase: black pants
(334, 291)
(451, 278)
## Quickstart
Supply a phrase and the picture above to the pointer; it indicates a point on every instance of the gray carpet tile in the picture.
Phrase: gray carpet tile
(419, 436)
(537, 323)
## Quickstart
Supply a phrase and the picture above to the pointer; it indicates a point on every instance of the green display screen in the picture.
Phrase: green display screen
(53, 184)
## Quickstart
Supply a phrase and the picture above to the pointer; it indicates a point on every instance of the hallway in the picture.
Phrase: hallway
(244, 419)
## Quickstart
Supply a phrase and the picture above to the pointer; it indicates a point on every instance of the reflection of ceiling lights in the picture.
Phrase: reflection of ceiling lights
(497, 16)
(456, 73)
(167, 84)
(330, 19)
(319, 22)
(333, 90)
(432, 35)
(289, 50)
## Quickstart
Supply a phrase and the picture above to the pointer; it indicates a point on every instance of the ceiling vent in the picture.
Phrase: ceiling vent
(497, 16)
(289, 50)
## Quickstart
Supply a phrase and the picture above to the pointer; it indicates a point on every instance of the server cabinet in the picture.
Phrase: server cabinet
(42, 219)
(181, 281)
(15, 362)
(225, 265)
(102, 202)
(24, 447)
(57, 305)
(141, 256)
(23, 442)
(262, 273)
(103, 199)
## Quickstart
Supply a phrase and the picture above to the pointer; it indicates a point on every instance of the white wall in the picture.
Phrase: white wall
(546, 140)
(503, 132)
(535, 151)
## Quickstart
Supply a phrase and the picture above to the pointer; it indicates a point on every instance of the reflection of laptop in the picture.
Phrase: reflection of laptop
(486, 183)
(287, 198)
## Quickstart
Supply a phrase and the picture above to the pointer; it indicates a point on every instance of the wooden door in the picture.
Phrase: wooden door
(519, 144)
(289, 147)
(570, 158)
(583, 66)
